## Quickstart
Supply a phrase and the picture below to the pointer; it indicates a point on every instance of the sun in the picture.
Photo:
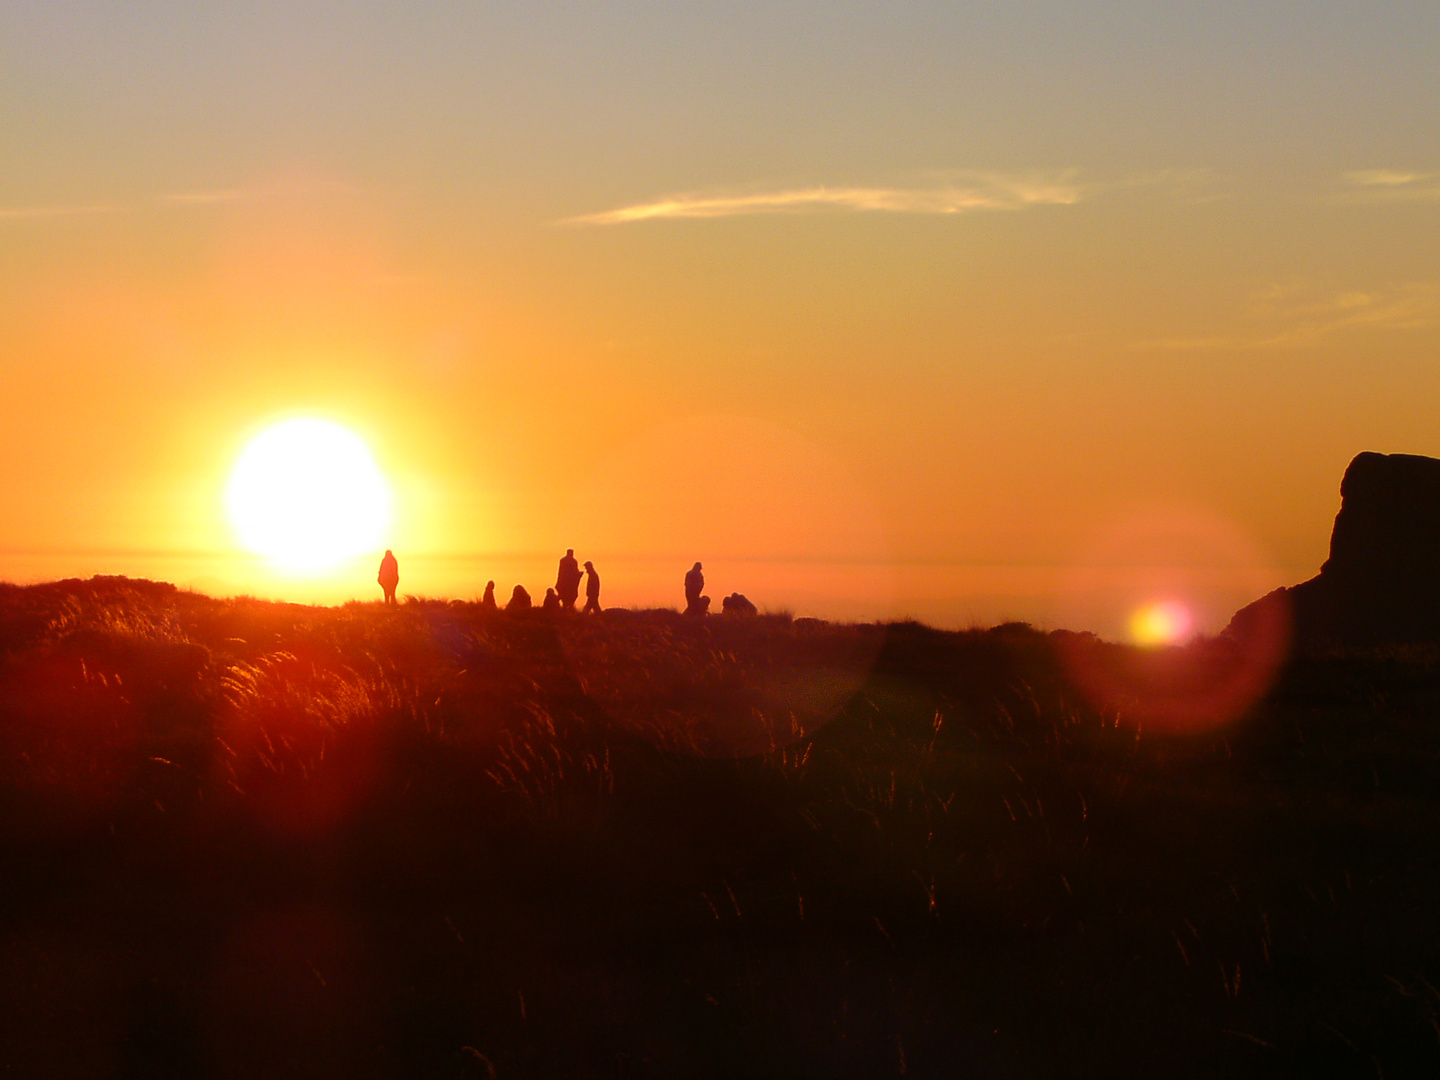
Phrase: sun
(1165, 622)
(307, 494)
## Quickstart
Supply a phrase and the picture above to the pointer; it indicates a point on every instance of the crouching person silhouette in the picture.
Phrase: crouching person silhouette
(738, 604)
(389, 575)
(695, 604)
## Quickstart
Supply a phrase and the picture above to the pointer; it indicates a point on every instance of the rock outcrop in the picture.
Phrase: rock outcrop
(1381, 583)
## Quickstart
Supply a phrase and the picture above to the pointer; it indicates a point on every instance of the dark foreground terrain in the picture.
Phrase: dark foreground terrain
(250, 839)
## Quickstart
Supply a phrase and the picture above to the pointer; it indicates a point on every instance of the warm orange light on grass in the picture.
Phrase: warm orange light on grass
(1165, 622)
(307, 494)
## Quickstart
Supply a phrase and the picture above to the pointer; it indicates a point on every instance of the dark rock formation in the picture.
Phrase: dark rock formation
(1381, 584)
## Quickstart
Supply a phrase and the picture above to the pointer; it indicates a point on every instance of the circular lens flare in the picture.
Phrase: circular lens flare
(1165, 622)
(308, 495)
(1162, 580)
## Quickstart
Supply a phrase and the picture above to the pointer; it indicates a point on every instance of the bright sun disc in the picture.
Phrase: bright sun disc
(308, 494)
(1166, 622)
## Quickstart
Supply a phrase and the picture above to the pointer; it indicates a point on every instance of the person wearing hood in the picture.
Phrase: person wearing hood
(694, 586)
(592, 589)
(567, 581)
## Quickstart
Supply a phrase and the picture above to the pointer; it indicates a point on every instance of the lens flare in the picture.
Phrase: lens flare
(308, 494)
(1165, 622)
(1164, 580)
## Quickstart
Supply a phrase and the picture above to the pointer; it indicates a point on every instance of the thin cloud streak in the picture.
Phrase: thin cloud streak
(213, 197)
(1388, 186)
(208, 198)
(984, 192)
(1382, 177)
(1413, 306)
(24, 213)
(277, 189)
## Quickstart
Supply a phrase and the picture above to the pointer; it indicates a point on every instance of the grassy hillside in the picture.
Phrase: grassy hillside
(252, 839)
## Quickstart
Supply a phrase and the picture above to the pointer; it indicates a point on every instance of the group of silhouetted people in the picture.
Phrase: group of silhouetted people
(567, 590)
(567, 586)
(561, 598)
(698, 604)
(519, 599)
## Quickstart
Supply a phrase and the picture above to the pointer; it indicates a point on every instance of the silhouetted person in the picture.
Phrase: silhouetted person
(389, 575)
(487, 602)
(694, 586)
(738, 604)
(567, 581)
(519, 600)
(592, 589)
(551, 601)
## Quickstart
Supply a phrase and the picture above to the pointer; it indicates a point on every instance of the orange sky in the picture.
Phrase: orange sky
(959, 314)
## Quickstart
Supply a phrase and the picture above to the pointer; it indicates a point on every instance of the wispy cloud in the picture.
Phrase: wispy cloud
(208, 198)
(1284, 317)
(285, 187)
(1381, 177)
(22, 213)
(962, 193)
(1388, 185)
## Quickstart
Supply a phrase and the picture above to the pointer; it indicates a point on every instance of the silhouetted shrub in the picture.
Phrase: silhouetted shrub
(250, 838)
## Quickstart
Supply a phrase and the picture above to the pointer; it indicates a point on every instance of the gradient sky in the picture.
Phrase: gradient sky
(965, 311)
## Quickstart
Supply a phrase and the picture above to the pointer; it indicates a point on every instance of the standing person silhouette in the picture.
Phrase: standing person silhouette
(389, 578)
(567, 581)
(694, 585)
(592, 589)
(487, 602)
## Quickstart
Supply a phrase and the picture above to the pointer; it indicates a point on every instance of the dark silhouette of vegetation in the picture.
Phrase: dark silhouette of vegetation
(246, 839)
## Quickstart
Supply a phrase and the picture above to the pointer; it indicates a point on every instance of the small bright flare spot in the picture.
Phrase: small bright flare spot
(308, 494)
(1166, 622)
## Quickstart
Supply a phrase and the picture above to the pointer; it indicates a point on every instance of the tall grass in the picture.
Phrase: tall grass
(245, 838)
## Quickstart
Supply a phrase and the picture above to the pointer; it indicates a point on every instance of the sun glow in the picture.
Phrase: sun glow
(307, 494)
(1165, 622)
